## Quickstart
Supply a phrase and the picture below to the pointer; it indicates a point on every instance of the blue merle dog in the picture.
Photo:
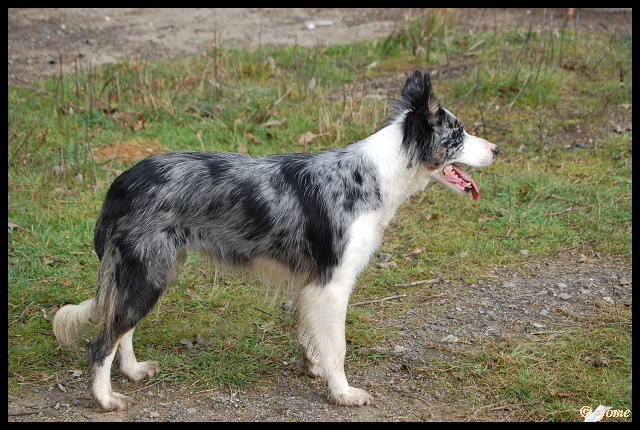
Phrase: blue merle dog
(314, 219)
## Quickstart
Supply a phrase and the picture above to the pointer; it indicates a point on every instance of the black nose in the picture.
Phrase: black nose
(495, 150)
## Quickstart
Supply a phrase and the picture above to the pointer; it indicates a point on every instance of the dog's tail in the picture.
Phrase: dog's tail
(70, 321)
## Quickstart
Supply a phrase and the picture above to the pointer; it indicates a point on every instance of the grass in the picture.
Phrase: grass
(563, 179)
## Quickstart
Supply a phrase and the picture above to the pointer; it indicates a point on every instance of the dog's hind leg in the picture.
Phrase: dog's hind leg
(117, 335)
(129, 366)
(108, 399)
(130, 287)
(321, 314)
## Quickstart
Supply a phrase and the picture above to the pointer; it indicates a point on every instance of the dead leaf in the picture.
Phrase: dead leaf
(46, 261)
(387, 265)
(191, 291)
(13, 225)
(67, 109)
(433, 216)
(39, 376)
(622, 127)
(98, 104)
(252, 137)
(140, 123)
(242, 148)
(306, 138)
(58, 170)
(127, 117)
(274, 122)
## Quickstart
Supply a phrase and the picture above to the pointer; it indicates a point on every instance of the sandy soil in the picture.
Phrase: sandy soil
(39, 38)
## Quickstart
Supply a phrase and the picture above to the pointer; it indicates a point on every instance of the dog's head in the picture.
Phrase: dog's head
(435, 139)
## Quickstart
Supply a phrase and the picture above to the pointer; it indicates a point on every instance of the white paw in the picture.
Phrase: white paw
(141, 370)
(115, 402)
(350, 397)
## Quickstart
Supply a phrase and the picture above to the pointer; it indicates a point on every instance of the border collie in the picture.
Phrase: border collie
(314, 219)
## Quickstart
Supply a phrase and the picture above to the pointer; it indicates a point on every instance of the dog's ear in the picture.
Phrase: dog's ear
(418, 92)
(413, 89)
(419, 108)
(432, 105)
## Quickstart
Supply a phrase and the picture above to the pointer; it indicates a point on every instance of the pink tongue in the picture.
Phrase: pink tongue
(465, 176)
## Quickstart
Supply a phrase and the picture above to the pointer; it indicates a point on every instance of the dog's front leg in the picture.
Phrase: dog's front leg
(321, 313)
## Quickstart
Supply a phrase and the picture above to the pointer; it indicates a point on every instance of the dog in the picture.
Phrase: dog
(314, 219)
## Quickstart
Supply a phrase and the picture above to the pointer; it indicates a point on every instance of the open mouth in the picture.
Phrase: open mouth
(461, 179)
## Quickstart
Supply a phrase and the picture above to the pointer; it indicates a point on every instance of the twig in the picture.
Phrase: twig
(387, 287)
(44, 332)
(500, 408)
(551, 34)
(386, 42)
(23, 312)
(434, 296)
(518, 95)
(490, 173)
(578, 246)
(464, 99)
(510, 211)
(34, 412)
(606, 53)
(261, 117)
(25, 141)
(264, 312)
(429, 281)
(44, 315)
(538, 195)
(510, 236)
(557, 412)
(565, 50)
(477, 243)
(514, 237)
(573, 247)
(562, 198)
(615, 304)
(489, 107)
(113, 157)
(475, 45)
(145, 387)
(574, 208)
(36, 91)
(378, 300)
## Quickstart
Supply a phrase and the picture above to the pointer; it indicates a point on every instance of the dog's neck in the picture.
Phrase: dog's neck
(399, 181)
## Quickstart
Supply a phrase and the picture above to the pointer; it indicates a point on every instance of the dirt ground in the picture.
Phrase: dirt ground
(544, 291)
(39, 38)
